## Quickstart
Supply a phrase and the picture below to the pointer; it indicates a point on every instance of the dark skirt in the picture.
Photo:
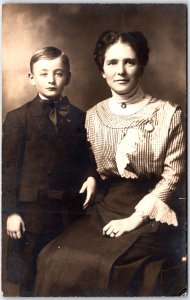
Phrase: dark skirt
(83, 262)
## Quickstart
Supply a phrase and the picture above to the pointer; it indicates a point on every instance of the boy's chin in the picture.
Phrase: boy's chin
(52, 97)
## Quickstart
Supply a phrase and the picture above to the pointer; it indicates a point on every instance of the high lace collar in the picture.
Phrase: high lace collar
(128, 104)
(136, 95)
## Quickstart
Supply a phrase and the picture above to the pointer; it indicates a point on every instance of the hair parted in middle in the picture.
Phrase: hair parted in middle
(135, 39)
(48, 53)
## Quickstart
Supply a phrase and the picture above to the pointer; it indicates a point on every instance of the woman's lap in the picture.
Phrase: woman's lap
(79, 262)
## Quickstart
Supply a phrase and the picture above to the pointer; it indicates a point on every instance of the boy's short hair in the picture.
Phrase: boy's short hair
(48, 53)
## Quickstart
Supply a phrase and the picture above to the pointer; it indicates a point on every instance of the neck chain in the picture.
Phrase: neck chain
(129, 103)
(134, 96)
(124, 104)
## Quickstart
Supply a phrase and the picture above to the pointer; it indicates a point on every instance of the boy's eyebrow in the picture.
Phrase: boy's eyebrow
(60, 69)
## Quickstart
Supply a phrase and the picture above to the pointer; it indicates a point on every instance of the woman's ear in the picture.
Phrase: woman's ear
(141, 71)
(31, 79)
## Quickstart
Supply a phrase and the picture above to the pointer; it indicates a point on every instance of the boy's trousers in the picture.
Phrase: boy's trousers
(44, 220)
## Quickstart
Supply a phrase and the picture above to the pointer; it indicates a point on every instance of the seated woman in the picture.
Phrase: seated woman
(119, 246)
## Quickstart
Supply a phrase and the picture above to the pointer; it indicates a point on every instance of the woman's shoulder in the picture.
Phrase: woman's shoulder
(98, 107)
(166, 112)
(165, 105)
(100, 104)
(164, 102)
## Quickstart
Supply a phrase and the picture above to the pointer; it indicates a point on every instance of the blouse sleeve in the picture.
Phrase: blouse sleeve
(154, 204)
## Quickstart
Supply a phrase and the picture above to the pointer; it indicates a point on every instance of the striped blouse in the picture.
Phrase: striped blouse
(147, 143)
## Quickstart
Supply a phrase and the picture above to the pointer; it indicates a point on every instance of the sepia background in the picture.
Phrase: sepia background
(75, 28)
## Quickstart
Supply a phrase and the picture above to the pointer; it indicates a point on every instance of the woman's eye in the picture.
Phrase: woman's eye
(112, 62)
(131, 62)
(43, 74)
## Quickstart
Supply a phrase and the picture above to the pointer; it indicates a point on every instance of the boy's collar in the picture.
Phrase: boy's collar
(44, 98)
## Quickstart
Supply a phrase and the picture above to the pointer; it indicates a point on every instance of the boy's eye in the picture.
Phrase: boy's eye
(43, 74)
(59, 74)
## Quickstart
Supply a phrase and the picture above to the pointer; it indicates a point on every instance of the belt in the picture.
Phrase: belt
(52, 194)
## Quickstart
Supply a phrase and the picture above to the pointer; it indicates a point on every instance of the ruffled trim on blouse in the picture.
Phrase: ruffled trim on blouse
(155, 208)
(125, 149)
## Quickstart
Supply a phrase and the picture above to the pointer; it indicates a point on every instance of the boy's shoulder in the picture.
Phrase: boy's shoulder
(76, 110)
(18, 115)
(21, 109)
(77, 114)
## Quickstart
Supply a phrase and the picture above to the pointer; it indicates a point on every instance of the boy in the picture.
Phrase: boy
(45, 156)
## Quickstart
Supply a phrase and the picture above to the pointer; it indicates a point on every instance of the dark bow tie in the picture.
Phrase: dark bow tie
(56, 109)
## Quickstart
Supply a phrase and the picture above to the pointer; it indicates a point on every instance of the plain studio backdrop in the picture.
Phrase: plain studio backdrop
(75, 28)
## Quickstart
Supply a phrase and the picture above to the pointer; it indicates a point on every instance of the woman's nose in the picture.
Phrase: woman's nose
(121, 68)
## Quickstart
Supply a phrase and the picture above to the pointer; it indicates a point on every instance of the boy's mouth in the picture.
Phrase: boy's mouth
(51, 89)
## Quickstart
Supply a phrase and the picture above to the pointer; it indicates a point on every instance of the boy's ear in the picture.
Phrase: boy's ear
(68, 78)
(31, 79)
(103, 75)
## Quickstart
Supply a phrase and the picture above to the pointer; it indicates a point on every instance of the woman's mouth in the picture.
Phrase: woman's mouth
(122, 80)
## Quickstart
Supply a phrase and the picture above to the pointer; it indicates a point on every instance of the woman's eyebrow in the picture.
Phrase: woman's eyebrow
(112, 59)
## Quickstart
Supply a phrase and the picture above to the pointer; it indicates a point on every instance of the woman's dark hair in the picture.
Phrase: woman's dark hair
(135, 39)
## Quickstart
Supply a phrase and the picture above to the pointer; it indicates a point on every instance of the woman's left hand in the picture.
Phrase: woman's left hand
(90, 187)
(116, 228)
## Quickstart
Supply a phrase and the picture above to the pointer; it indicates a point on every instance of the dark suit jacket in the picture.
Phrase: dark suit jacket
(36, 158)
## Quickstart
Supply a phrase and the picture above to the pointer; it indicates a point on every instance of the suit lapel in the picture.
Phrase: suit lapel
(39, 120)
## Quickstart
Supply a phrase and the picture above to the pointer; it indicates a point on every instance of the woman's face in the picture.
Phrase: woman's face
(121, 68)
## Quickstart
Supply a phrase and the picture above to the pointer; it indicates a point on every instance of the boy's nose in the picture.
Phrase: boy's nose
(51, 78)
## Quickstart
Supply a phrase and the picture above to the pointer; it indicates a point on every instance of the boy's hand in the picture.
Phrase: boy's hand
(15, 226)
(90, 187)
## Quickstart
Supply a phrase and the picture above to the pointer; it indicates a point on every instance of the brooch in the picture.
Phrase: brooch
(149, 127)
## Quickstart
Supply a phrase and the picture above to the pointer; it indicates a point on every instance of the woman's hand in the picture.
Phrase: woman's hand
(15, 226)
(90, 187)
(116, 228)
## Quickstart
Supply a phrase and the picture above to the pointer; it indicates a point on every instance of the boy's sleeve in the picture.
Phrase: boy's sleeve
(12, 156)
(88, 156)
(91, 170)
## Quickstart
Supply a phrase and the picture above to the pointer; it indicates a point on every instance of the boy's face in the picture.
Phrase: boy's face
(50, 77)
